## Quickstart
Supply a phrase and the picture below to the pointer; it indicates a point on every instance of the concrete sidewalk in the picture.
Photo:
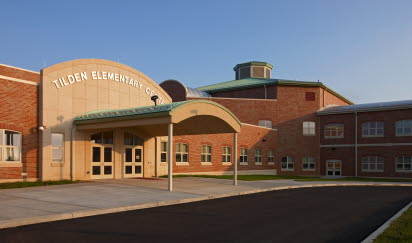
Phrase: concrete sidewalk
(42, 204)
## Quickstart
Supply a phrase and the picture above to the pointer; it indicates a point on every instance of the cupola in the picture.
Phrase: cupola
(253, 69)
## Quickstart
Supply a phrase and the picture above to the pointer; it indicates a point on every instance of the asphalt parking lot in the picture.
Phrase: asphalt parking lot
(324, 214)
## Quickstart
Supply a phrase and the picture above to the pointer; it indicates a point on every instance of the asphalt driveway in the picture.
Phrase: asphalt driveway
(325, 214)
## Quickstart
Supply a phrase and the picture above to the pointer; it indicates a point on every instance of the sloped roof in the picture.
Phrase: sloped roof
(378, 106)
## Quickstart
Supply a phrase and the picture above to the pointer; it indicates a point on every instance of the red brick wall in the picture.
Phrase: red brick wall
(250, 137)
(19, 112)
(347, 154)
(331, 99)
(252, 93)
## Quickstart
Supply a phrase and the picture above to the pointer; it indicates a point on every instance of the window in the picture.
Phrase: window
(334, 131)
(271, 156)
(287, 163)
(182, 152)
(404, 128)
(131, 139)
(265, 123)
(163, 152)
(308, 163)
(243, 155)
(206, 155)
(57, 147)
(372, 164)
(404, 164)
(226, 153)
(10, 146)
(258, 156)
(102, 138)
(309, 128)
(372, 129)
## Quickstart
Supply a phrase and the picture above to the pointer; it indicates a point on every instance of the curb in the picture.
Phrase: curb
(95, 212)
(386, 225)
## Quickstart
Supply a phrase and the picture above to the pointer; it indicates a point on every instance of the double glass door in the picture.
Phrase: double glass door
(334, 168)
(102, 162)
(133, 161)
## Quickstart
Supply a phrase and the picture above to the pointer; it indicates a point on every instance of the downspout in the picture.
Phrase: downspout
(356, 142)
(72, 153)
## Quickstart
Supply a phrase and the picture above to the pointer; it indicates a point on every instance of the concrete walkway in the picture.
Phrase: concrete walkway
(42, 204)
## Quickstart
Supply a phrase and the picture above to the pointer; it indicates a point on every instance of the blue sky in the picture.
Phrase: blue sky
(360, 48)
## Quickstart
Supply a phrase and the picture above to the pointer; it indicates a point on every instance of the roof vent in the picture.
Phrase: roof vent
(253, 69)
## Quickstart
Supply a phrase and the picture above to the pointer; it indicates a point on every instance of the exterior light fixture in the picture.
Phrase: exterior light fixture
(154, 98)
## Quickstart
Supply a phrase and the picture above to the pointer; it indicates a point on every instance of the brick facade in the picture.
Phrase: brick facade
(19, 112)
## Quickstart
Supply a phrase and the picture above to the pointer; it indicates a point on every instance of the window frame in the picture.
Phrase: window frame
(375, 162)
(271, 158)
(205, 153)
(226, 154)
(309, 160)
(403, 128)
(266, 123)
(289, 160)
(4, 146)
(337, 132)
(366, 126)
(306, 131)
(163, 152)
(403, 164)
(182, 153)
(258, 156)
(243, 156)
(56, 148)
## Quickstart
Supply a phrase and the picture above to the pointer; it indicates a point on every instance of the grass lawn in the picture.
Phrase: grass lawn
(35, 183)
(399, 231)
(247, 177)
(296, 178)
(356, 179)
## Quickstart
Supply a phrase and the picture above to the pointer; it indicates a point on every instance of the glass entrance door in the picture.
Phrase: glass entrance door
(334, 168)
(102, 162)
(133, 161)
(133, 155)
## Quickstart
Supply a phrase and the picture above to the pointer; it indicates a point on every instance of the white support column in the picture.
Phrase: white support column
(235, 159)
(170, 157)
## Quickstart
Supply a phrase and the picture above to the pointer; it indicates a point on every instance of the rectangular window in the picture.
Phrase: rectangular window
(404, 164)
(163, 152)
(206, 154)
(12, 146)
(372, 164)
(258, 156)
(308, 163)
(309, 128)
(310, 96)
(182, 152)
(226, 153)
(243, 155)
(265, 123)
(57, 147)
(372, 129)
(271, 156)
(287, 163)
(404, 128)
(334, 131)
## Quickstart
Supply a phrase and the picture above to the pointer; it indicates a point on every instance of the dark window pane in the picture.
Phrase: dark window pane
(13, 138)
(138, 155)
(228, 159)
(96, 154)
(128, 170)
(138, 169)
(185, 158)
(209, 158)
(128, 155)
(108, 137)
(107, 154)
(96, 138)
(107, 170)
(128, 138)
(178, 157)
(163, 157)
(337, 173)
(96, 170)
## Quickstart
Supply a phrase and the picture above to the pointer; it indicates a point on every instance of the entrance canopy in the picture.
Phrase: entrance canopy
(188, 118)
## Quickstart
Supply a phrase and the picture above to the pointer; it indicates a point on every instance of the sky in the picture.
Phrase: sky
(359, 48)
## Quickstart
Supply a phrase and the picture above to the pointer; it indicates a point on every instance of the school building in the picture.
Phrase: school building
(91, 118)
